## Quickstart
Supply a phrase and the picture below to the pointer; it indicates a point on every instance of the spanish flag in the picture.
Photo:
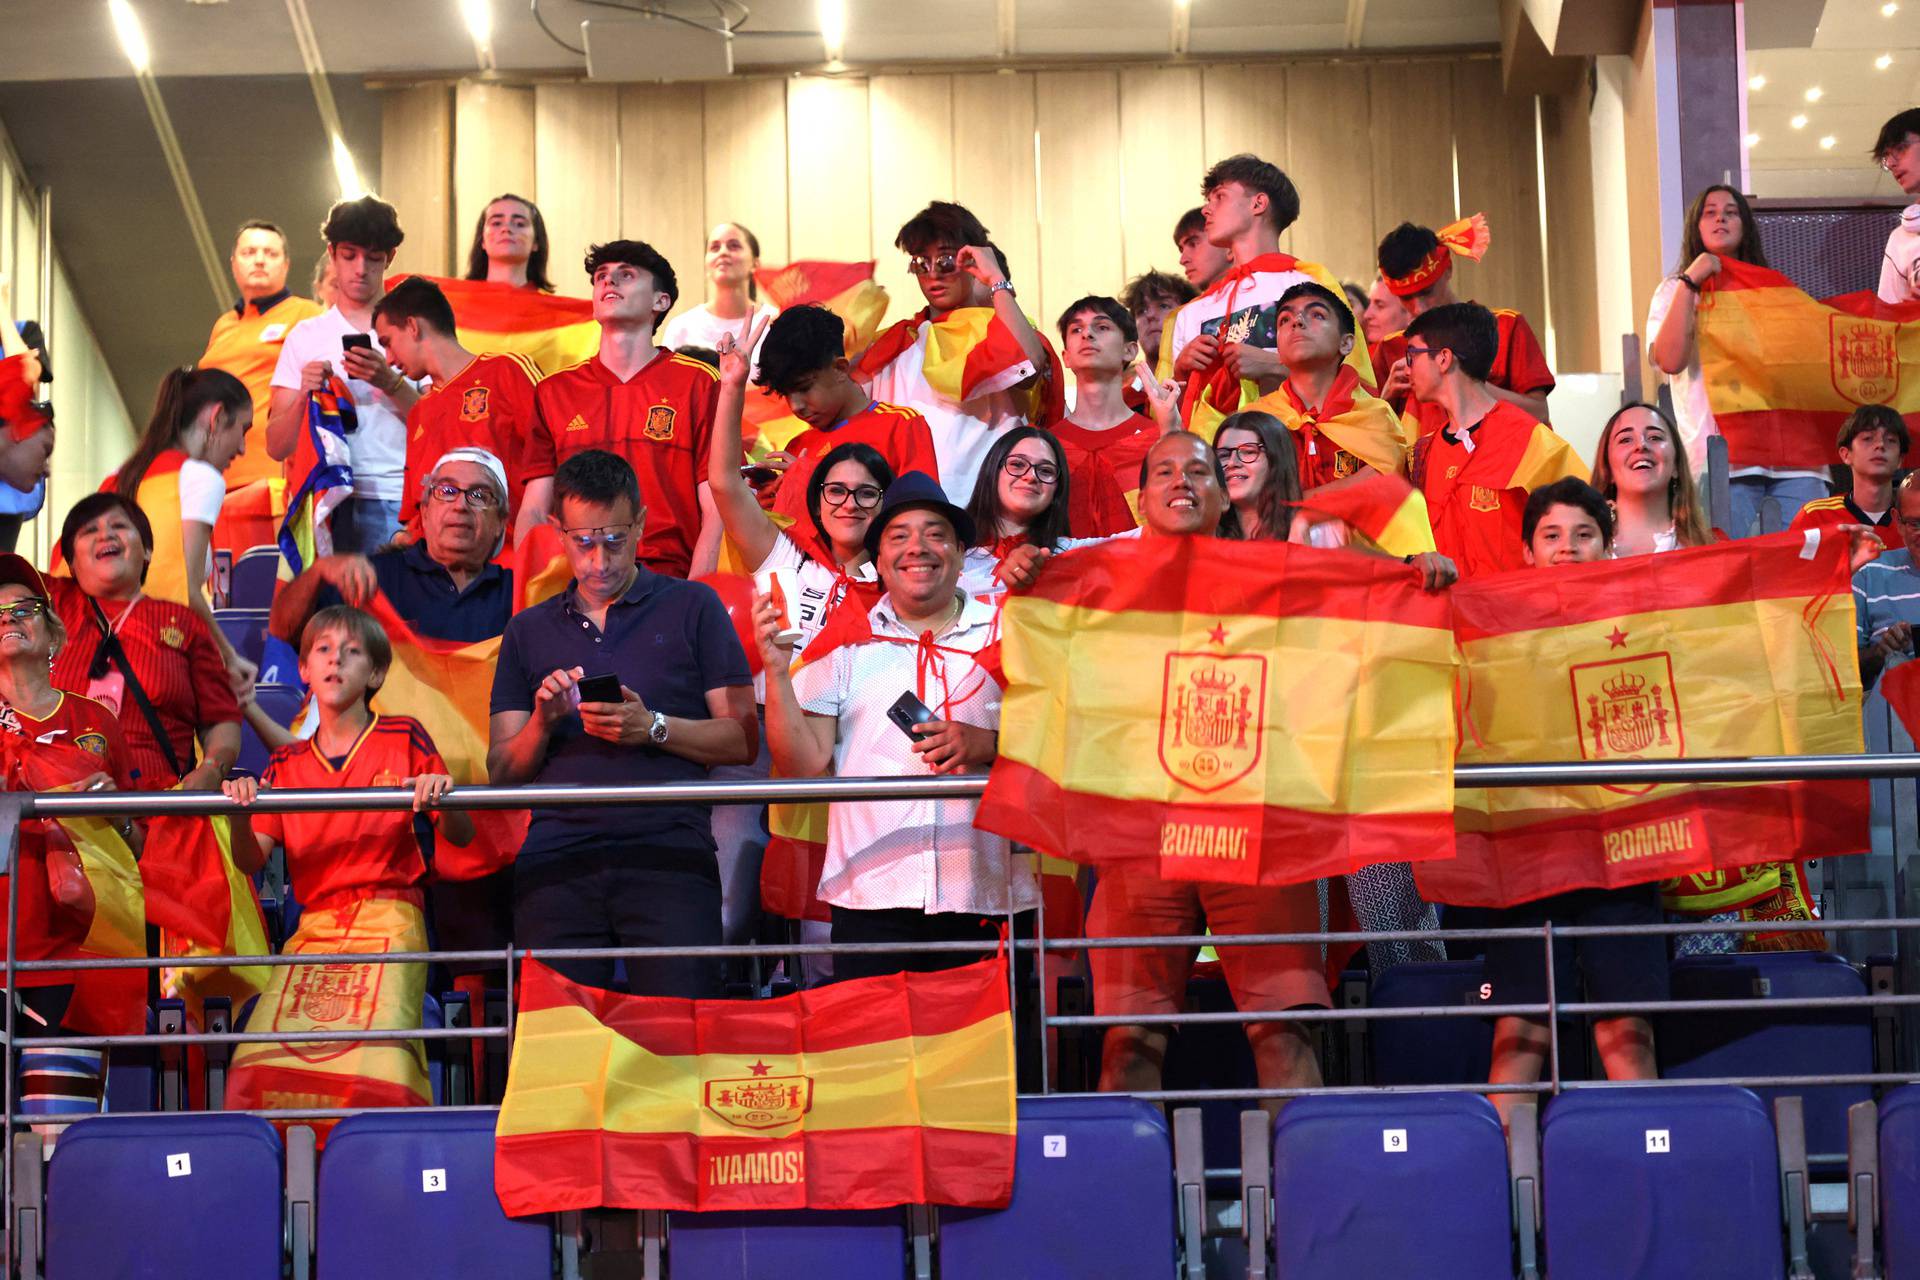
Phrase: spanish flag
(1350, 422)
(20, 412)
(861, 1095)
(844, 288)
(552, 331)
(1242, 712)
(320, 478)
(970, 352)
(1782, 370)
(1739, 649)
(1382, 507)
(204, 907)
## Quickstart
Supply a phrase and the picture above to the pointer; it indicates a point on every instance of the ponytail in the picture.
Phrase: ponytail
(183, 395)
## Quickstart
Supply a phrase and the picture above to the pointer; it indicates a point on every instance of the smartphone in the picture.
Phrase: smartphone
(908, 711)
(757, 476)
(599, 689)
(361, 340)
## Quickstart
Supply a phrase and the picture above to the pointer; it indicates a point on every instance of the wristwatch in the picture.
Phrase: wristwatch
(658, 729)
(1000, 286)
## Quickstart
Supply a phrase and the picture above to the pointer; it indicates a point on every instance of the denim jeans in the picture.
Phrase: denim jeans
(1751, 512)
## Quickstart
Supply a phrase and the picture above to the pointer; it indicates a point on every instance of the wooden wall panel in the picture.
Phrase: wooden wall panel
(576, 130)
(746, 169)
(1328, 123)
(492, 151)
(1162, 154)
(910, 127)
(1571, 246)
(663, 193)
(993, 127)
(1499, 176)
(829, 215)
(416, 172)
(1077, 115)
(1244, 109)
(1411, 136)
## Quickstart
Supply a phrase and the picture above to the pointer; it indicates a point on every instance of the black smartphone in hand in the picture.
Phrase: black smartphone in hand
(351, 341)
(907, 711)
(600, 689)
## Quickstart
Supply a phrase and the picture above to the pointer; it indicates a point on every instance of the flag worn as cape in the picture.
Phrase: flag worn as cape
(554, 332)
(971, 353)
(845, 288)
(320, 478)
(1742, 648)
(1351, 420)
(1242, 712)
(860, 1095)
(1782, 369)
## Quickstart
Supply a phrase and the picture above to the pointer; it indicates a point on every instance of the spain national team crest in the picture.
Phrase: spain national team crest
(1864, 358)
(1482, 498)
(1628, 709)
(759, 1100)
(1213, 714)
(332, 997)
(172, 636)
(473, 403)
(659, 422)
(94, 744)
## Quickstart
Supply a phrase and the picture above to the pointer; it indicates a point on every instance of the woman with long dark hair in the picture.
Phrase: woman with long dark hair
(510, 244)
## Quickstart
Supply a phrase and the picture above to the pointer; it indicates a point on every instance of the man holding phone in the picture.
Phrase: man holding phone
(628, 676)
(902, 694)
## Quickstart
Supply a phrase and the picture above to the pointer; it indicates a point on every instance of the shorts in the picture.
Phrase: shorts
(1634, 968)
(1153, 980)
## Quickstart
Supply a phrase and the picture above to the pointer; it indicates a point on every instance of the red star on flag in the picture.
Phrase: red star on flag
(1617, 639)
(759, 1068)
(1219, 633)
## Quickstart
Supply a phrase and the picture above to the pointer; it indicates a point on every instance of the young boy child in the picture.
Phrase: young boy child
(361, 878)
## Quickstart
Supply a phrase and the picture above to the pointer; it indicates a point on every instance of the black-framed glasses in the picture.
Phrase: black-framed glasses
(1043, 472)
(1413, 351)
(864, 496)
(612, 537)
(25, 610)
(940, 264)
(1245, 454)
(479, 498)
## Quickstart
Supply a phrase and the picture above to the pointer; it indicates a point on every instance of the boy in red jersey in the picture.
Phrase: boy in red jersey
(360, 877)
(483, 401)
(1102, 348)
(1873, 442)
(648, 405)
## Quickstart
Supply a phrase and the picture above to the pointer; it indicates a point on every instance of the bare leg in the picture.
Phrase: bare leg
(1283, 1058)
(1626, 1047)
(1520, 1047)
(1132, 1059)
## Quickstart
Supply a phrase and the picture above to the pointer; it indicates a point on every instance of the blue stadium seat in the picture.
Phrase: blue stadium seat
(188, 1195)
(1429, 1050)
(799, 1244)
(1391, 1185)
(279, 663)
(1700, 1046)
(412, 1196)
(1900, 1182)
(245, 630)
(1661, 1183)
(253, 578)
(1102, 1165)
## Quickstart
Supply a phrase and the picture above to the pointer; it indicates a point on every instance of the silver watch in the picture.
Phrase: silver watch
(658, 729)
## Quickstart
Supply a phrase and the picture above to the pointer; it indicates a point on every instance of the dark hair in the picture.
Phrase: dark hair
(1342, 313)
(369, 222)
(1150, 287)
(853, 451)
(1046, 529)
(942, 222)
(596, 477)
(1255, 174)
(639, 254)
(183, 394)
(261, 224)
(91, 508)
(1194, 219)
(1465, 328)
(416, 298)
(1404, 248)
(358, 624)
(477, 259)
(1895, 131)
(1875, 417)
(1568, 491)
(801, 340)
(1101, 305)
(753, 243)
(1275, 505)
(1749, 250)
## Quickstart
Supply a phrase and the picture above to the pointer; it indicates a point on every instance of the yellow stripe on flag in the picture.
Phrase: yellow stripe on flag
(551, 350)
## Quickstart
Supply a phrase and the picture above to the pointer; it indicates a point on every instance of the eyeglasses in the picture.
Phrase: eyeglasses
(23, 610)
(479, 498)
(1245, 454)
(613, 538)
(1043, 472)
(865, 496)
(1897, 150)
(941, 264)
(1413, 351)
(1908, 525)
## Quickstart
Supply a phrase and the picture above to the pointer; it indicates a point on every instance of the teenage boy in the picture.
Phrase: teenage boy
(1897, 150)
(803, 357)
(247, 338)
(971, 363)
(1102, 350)
(1417, 265)
(1487, 454)
(1201, 260)
(361, 236)
(1873, 442)
(476, 401)
(642, 402)
(360, 877)
(1151, 298)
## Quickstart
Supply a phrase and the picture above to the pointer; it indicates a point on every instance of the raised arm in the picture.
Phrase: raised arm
(740, 512)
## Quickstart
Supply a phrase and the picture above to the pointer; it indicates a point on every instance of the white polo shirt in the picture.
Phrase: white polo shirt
(925, 855)
(379, 442)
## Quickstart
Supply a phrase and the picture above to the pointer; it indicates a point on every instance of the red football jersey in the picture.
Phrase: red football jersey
(487, 405)
(660, 421)
(335, 858)
(1826, 513)
(900, 435)
(1122, 449)
(1519, 366)
(83, 723)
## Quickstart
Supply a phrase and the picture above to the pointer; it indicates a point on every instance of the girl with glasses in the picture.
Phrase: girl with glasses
(1034, 490)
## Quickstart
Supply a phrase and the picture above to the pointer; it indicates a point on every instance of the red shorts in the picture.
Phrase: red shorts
(1153, 980)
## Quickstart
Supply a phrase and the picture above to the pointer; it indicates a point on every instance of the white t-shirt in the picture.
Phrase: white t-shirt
(202, 490)
(379, 442)
(1246, 310)
(1900, 269)
(699, 327)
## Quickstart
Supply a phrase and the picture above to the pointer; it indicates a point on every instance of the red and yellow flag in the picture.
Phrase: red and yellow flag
(1360, 424)
(860, 1095)
(1244, 712)
(1783, 370)
(970, 352)
(1382, 507)
(845, 288)
(204, 906)
(1738, 649)
(554, 332)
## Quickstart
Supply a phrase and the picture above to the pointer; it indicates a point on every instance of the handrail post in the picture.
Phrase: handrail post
(1553, 1010)
(13, 807)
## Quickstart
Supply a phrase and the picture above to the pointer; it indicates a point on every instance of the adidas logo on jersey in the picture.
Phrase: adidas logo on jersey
(578, 424)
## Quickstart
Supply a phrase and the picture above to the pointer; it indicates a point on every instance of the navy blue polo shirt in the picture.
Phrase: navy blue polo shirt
(423, 594)
(669, 641)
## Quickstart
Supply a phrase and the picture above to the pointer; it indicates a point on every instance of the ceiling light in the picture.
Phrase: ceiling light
(1813, 94)
(1752, 140)
(1827, 143)
(1882, 62)
(1798, 122)
(1888, 9)
(344, 171)
(479, 19)
(1756, 82)
(833, 28)
(133, 41)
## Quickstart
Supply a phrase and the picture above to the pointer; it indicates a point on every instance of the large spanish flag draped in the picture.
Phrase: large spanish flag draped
(1246, 712)
(552, 331)
(204, 906)
(860, 1095)
(971, 352)
(320, 478)
(1739, 649)
(1783, 370)
(845, 288)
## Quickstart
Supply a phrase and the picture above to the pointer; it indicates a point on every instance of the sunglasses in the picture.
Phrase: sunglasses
(941, 264)
(23, 610)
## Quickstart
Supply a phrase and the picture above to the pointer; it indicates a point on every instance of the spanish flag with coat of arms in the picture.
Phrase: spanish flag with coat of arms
(861, 1095)
(1249, 712)
(1743, 648)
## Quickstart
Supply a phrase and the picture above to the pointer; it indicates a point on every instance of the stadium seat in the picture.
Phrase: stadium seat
(797, 1244)
(1699, 1046)
(412, 1196)
(254, 576)
(189, 1195)
(282, 703)
(1429, 1050)
(279, 662)
(1104, 1165)
(1391, 1185)
(245, 630)
(1899, 1182)
(1660, 1183)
